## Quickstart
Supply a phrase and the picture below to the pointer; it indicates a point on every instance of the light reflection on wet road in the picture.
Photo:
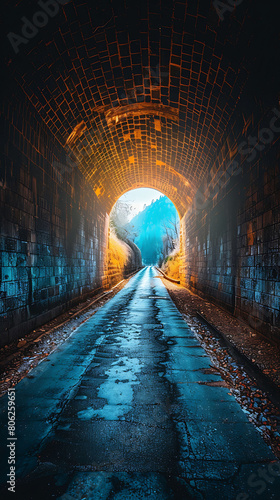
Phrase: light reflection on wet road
(129, 408)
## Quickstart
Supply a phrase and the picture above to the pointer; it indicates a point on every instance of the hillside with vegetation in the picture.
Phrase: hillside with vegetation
(155, 230)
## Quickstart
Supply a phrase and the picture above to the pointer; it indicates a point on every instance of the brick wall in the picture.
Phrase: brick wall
(210, 250)
(152, 85)
(231, 235)
(53, 228)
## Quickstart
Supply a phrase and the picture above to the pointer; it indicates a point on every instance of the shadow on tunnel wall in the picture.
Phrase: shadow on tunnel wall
(53, 228)
(231, 234)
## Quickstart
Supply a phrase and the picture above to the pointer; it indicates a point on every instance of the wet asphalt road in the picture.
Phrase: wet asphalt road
(129, 407)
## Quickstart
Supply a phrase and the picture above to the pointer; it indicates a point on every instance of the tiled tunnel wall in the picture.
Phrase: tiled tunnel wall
(140, 92)
(53, 228)
(231, 235)
(154, 94)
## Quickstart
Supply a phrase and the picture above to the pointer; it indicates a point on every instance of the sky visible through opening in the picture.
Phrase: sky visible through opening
(138, 198)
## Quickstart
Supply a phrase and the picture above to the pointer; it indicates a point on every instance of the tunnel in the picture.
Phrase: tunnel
(100, 98)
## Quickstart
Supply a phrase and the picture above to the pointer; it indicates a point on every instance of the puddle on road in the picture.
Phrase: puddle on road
(117, 390)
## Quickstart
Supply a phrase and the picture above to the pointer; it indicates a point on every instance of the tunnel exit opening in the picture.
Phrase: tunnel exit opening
(144, 229)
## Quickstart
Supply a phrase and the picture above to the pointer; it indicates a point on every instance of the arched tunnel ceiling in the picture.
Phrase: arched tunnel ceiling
(140, 92)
